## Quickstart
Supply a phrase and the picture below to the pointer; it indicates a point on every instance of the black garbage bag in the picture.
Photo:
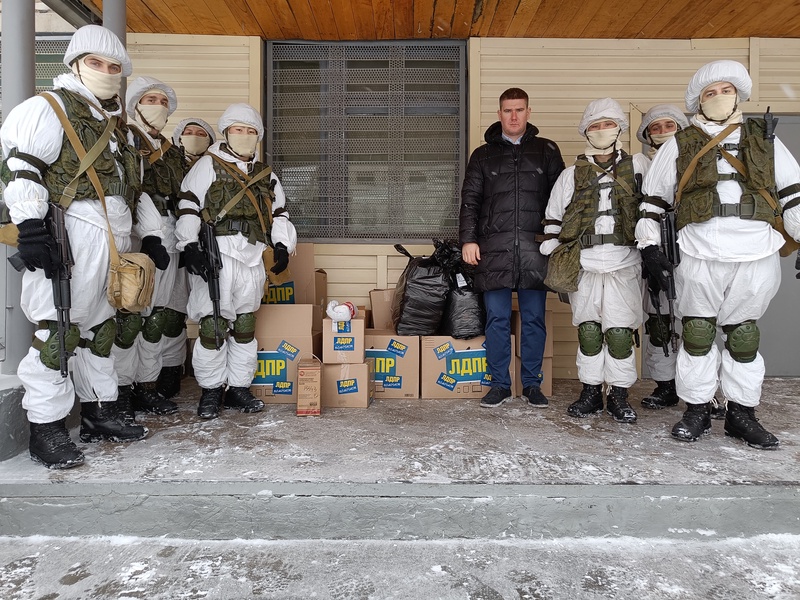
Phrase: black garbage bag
(420, 296)
(464, 316)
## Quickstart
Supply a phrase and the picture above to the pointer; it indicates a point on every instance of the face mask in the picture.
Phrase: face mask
(243, 144)
(603, 139)
(152, 116)
(194, 144)
(103, 85)
(720, 107)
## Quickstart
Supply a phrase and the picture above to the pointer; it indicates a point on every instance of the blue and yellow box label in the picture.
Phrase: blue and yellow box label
(386, 368)
(343, 327)
(280, 294)
(283, 387)
(444, 350)
(344, 343)
(289, 350)
(347, 386)
(270, 369)
(398, 348)
(464, 366)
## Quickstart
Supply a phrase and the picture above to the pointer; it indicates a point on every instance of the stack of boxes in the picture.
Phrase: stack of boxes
(347, 375)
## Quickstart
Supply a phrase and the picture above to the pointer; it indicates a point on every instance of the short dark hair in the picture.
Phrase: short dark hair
(514, 94)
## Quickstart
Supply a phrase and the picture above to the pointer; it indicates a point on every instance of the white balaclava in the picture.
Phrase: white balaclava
(602, 141)
(194, 145)
(101, 42)
(149, 116)
(242, 144)
(721, 108)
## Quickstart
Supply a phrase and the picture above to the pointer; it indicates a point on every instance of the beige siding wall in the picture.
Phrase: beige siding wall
(208, 72)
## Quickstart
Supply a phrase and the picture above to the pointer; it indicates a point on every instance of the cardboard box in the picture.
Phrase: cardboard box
(285, 335)
(309, 387)
(343, 341)
(457, 368)
(396, 363)
(308, 285)
(381, 301)
(348, 385)
(516, 329)
(547, 377)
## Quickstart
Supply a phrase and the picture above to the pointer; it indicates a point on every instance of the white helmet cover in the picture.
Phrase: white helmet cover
(718, 71)
(178, 132)
(658, 112)
(241, 113)
(604, 108)
(94, 39)
(140, 86)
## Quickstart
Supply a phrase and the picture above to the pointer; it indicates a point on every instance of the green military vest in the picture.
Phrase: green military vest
(162, 179)
(700, 199)
(583, 209)
(58, 175)
(242, 218)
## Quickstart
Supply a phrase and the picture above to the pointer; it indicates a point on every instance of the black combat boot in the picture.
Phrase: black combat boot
(125, 404)
(169, 381)
(741, 423)
(51, 446)
(695, 422)
(663, 396)
(210, 403)
(100, 421)
(589, 402)
(240, 398)
(147, 399)
(617, 405)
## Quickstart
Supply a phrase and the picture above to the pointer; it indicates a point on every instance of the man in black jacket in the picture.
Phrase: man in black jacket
(505, 191)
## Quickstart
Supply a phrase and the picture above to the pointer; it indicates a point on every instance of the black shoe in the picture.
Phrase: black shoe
(741, 423)
(695, 422)
(101, 421)
(617, 405)
(718, 408)
(169, 381)
(147, 399)
(241, 399)
(663, 396)
(51, 446)
(588, 403)
(125, 404)
(210, 403)
(495, 397)
(533, 394)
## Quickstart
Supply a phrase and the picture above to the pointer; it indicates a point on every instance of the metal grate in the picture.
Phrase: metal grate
(368, 139)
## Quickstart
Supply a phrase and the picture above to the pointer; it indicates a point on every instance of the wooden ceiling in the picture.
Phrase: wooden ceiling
(460, 19)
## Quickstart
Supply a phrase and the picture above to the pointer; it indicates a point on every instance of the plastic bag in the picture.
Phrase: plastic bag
(420, 296)
(464, 316)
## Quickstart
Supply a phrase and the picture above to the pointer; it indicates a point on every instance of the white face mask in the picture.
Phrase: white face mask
(243, 144)
(195, 144)
(151, 116)
(660, 138)
(720, 107)
(103, 85)
(603, 139)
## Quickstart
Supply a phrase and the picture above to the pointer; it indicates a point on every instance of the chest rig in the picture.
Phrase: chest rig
(164, 169)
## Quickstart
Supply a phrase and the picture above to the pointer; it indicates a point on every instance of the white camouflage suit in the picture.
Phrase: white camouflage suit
(242, 276)
(729, 266)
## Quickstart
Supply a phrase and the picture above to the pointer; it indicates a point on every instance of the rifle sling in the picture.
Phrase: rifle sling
(246, 183)
(621, 182)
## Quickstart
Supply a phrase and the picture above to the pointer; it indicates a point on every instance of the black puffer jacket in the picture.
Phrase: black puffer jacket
(505, 191)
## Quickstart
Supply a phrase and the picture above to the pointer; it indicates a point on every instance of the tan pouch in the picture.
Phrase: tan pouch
(131, 282)
(9, 234)
(563, 268)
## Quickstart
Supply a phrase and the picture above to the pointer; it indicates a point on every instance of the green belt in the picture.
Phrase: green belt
(588, 240)
(742, 210)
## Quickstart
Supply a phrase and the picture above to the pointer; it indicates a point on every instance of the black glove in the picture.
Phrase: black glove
(37, 248)
(196, 261)
(152, 246)
(797, 265)
(656, 263)
(281, 256)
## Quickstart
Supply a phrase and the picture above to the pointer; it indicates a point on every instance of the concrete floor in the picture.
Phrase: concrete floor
(413, 499)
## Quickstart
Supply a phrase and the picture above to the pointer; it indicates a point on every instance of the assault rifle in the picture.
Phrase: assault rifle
(62, 286)
(210, 249)
(670, 248)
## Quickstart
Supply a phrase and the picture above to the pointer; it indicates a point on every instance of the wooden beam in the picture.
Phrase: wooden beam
(326, 22)
(423, 18)
(481, 26)
(168, 12)
(304, 17)
(364, 20)
(443, 18)
(403, 19)
(573, 15)
(150, 22)
(462, 19)
(544, 16)
(270, 29)
(526, 11)
(503, 15)
(282, 11)
(345, 23)
(384, 19)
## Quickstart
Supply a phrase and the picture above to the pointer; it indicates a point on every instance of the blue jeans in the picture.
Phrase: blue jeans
(498, 335)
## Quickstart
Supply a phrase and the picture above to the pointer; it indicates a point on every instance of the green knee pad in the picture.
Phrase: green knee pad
(620, 342)
(743, 340)
(657, 327)
(207, 331)
(103, 339)
(590, 338)
(49, 352)
(174, 323)
(128, 327)
(699, 334)
(153, 326)
(244, 328)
